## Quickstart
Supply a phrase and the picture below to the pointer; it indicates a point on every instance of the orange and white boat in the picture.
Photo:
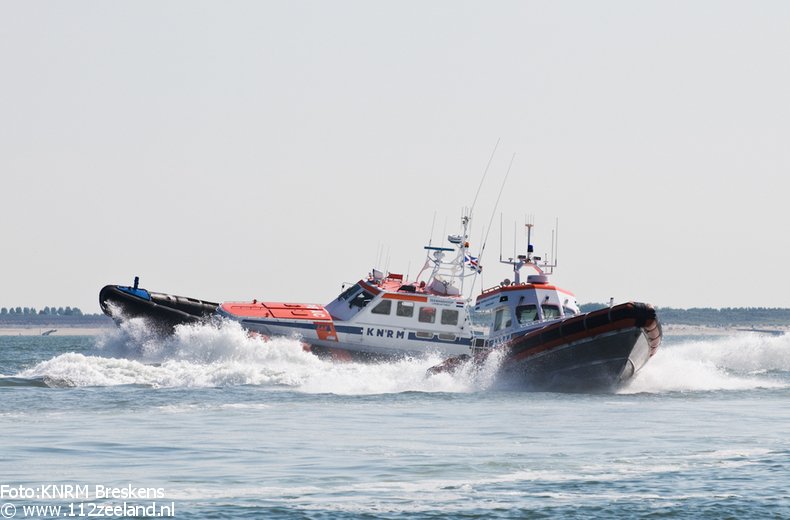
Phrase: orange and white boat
(380, 316)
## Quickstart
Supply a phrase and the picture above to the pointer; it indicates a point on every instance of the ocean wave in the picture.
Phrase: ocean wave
(224, 354)
(737, 362)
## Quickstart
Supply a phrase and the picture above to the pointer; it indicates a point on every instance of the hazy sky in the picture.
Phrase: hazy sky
(237, 150)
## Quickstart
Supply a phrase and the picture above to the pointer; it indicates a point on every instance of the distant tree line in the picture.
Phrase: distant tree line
(50, 316)
(48, 311)
(725, 317)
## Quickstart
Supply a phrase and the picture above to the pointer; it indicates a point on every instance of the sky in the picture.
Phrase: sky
(274, 150)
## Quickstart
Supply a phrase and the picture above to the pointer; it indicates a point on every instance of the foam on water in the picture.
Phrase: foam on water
(224, 354)
(738, 362)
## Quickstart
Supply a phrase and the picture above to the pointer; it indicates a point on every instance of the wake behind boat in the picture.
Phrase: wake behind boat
(537, 329)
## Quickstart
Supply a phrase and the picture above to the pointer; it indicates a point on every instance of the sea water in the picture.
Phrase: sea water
(218, 424)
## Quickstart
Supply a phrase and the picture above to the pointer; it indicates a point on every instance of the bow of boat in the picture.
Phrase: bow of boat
(600, 350)
(163, 311)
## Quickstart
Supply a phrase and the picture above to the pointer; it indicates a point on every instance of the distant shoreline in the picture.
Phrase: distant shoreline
(32, 324)
(59, 331)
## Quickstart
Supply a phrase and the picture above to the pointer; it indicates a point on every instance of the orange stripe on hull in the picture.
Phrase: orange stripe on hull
(405, 297)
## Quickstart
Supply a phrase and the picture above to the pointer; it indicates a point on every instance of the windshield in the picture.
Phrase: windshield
(527, 313)
(348, 293)
(361, 299)
(550, 312)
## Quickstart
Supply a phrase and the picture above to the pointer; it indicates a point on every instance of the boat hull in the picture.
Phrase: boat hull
(599, 363)
(162, 311)
(598, 351)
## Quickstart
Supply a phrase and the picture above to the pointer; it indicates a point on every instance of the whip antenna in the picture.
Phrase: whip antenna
(555, 243)
(485, 241)
(500, 237)
(433, 223)
(501, 189)
(485, 173)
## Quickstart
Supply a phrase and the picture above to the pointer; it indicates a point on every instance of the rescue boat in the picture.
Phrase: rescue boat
(545, 343)
(381, 316)
(542, 340)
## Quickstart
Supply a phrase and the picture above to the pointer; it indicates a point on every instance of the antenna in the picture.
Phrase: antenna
(500, 237)
(549, 260)
(515, 231)
(557, 243)
(501, 189)
(485, 173)
(529, 224)
(491, 220)
(433, 222)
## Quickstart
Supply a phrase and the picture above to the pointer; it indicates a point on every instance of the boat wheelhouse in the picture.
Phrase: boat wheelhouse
(511, 309)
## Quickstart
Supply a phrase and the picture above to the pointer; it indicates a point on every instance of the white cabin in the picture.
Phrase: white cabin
(512, 309)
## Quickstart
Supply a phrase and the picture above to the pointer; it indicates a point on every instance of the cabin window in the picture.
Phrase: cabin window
(550, 312)
(568, 311)
(405, 309)
(346, 295)
(361, 299)
(427, 315)
(502, 319)
(526, 313)
(449, 317)
(480, 317)
(383, 307)
(447, 336)
(424, 335)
